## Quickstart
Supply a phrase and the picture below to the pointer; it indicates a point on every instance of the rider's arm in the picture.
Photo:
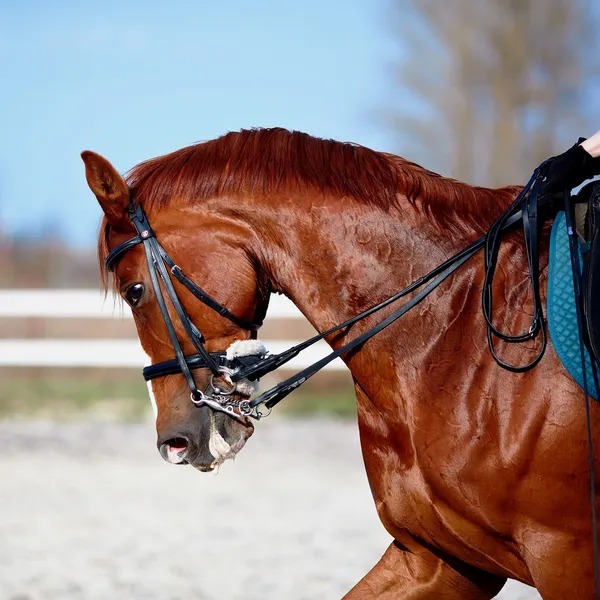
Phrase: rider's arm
(592, 145)
(571, 168)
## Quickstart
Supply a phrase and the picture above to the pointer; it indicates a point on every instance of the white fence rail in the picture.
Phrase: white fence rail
(92, 304)
(118, 353)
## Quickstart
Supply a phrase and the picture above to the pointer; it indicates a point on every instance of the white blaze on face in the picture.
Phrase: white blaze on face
(151, 392)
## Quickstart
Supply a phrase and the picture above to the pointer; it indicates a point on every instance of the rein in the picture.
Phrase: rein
(529, 199)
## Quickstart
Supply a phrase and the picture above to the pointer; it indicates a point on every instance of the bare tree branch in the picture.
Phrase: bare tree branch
(494, 86)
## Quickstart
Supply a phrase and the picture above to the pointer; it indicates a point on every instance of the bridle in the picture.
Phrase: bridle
(158, 261)
(161, 267)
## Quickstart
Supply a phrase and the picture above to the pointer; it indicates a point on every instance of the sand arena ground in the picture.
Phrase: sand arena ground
(89, 511)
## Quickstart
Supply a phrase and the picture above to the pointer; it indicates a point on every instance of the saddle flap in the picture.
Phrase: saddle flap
(590, 280)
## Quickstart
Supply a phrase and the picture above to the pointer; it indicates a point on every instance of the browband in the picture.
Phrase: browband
(114, 255)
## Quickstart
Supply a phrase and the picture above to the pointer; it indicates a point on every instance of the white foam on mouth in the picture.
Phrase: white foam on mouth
(217, 445)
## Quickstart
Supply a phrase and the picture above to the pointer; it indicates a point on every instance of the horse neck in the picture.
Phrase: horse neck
(334, 258)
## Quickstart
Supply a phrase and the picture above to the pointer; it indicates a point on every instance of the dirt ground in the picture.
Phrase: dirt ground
(89, 511)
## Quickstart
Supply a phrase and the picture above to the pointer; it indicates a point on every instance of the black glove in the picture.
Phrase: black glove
(568, 170)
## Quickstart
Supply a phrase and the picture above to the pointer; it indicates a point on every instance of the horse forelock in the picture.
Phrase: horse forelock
(269, 160)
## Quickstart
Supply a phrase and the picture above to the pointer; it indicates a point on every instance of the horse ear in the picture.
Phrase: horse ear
(109, 188)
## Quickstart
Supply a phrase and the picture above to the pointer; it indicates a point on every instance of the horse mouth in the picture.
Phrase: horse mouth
(210, 438)
(226, 438)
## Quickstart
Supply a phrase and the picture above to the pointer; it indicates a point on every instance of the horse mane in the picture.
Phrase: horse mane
(267, 160)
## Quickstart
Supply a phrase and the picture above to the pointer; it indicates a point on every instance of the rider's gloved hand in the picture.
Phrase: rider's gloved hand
(570, 169)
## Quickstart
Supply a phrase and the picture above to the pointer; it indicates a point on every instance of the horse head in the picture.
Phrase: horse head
(200, 435)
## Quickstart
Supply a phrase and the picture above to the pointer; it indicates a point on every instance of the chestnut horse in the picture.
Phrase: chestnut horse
(478, 473)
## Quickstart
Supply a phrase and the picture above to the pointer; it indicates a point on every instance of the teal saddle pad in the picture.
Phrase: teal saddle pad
(562, 316)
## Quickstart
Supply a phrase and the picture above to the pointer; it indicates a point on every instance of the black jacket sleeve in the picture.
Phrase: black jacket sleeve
(569, 169)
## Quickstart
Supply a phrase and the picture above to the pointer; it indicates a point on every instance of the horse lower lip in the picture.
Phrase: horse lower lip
(174, 454)
(204, 468)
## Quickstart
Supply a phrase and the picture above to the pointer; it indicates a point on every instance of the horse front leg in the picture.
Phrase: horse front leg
(415, 574)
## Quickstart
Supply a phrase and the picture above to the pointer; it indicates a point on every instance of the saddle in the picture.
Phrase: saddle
(567, 303)
(589, 197)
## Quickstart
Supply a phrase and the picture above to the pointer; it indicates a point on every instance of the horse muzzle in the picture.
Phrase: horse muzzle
(217, 437)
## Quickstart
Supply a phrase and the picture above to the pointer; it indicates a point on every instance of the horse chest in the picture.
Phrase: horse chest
(408, 491)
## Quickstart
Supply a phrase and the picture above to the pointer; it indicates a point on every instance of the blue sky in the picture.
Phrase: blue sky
(135, 79)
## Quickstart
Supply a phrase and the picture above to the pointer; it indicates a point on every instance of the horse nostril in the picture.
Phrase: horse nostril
(174, 450)
(177, 442)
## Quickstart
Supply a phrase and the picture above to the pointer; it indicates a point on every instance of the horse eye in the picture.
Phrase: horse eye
(134, 293)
